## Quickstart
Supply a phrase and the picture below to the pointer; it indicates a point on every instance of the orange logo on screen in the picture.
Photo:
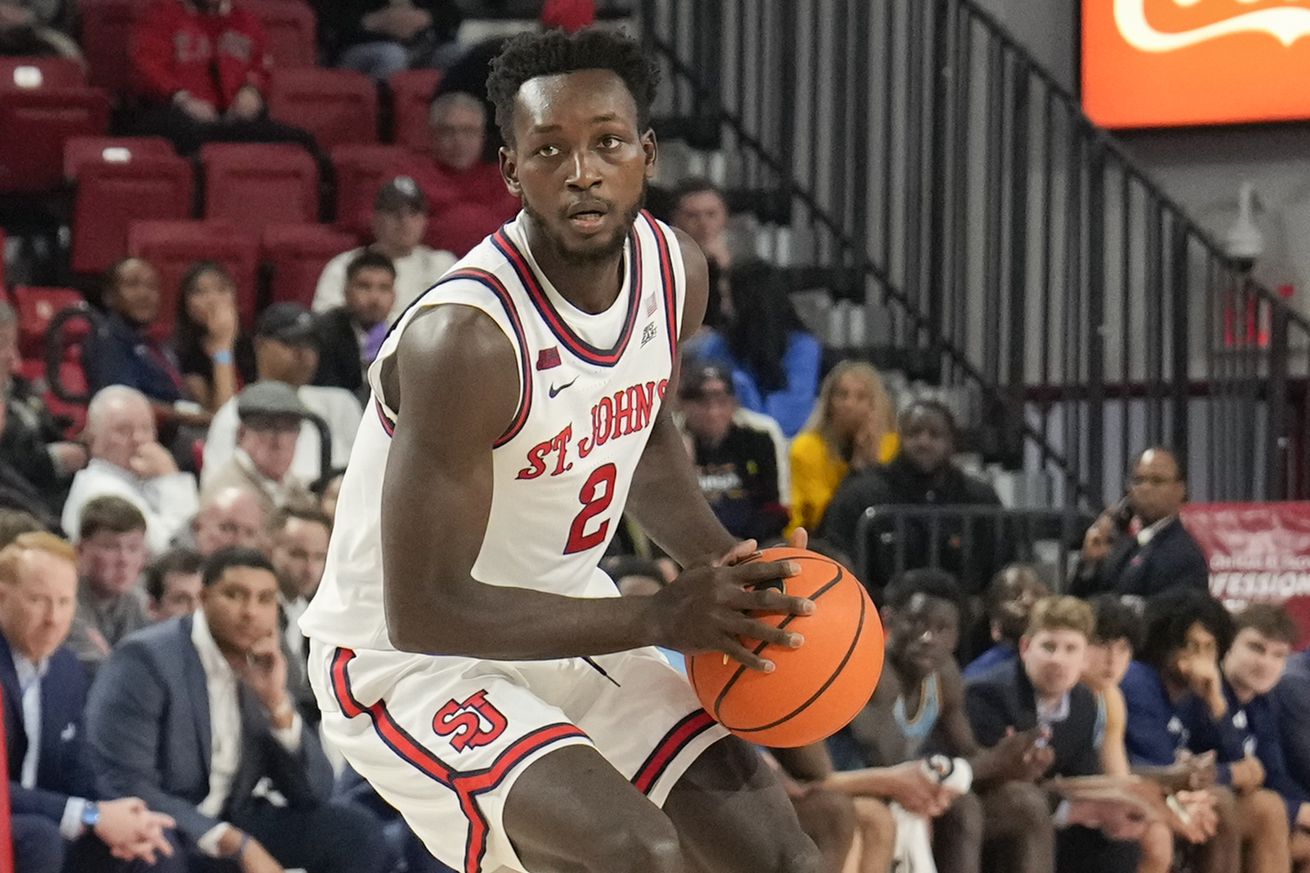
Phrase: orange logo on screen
(1160, 63)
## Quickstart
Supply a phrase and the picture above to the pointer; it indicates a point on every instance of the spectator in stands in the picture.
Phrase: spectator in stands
(350, 334)
(270, 416)
(775, 361)
(111, 552)
(737, 466)
(852, 426)
(17, 490)
(32, 443)
(400, 219)
(215, 359)
(200, 68)
(123, 350)
(153, 736)
(61, 820)
(380, 37)
(1293, 698)
(128, 462)
(1040, 689)
(328, 489)
(286, 350)
(918, 708)
(299, 538)
(1141, 546)
(1009, 604)
(922, 474)
(457, 177)
(700, 210)
(1176, 706)
(38, 27)
(14, 523)
(1252, 669)
(172, 582)
(228, 518)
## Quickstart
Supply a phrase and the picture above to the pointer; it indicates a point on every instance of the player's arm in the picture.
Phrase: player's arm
(455, 386)
(665, 498)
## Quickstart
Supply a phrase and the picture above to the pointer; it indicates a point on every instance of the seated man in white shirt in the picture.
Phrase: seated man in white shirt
(270, 415)
(286, 350)
(127, 461)
(147, 731)
(400, 218)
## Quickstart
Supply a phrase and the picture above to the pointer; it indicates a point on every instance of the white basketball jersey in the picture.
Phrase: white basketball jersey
(591, 386)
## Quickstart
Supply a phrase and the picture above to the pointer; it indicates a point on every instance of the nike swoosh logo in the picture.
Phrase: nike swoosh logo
(1286, 25)
(554, 390)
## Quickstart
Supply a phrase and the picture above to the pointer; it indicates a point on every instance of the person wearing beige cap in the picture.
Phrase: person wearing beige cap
(400, 218)
(270, 414)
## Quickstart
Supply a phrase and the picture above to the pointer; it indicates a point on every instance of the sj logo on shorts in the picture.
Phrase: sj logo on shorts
(470, 723)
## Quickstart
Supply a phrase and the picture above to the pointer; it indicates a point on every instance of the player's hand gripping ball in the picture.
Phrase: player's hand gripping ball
(815, 690)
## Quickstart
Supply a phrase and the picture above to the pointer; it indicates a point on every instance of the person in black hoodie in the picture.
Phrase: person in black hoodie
(922, 474)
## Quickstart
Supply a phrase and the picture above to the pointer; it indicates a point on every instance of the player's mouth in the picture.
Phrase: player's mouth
(587, 216)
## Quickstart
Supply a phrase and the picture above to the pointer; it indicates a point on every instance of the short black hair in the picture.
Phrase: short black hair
(369, 260)
(695, 185)
(532, 55)
(929, 405)
(1116, 620)
(1168, 618)
(928, 581)
(237, 556)
(180, 560)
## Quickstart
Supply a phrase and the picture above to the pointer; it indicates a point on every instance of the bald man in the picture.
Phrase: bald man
(127, 461)
(228, 517)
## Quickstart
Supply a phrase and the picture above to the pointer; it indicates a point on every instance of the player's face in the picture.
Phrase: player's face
(1255, 662)
(370, 294)
(923, 633)
(1054, 659)
(241, 607)
(579, 162)
(1107, 662)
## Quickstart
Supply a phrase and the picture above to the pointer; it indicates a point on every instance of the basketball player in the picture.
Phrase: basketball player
(471, 660)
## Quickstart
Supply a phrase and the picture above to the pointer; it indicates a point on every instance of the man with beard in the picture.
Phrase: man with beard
(923, 474)
(518, 410)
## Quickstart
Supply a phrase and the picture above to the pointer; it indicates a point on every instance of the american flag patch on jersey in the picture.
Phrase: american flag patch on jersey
(548, 358)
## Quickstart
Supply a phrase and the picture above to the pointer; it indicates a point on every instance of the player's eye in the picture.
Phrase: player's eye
(610, 141)
(548, 151)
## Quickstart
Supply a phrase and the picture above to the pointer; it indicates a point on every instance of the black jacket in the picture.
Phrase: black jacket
(1171, 559)
(338, 352)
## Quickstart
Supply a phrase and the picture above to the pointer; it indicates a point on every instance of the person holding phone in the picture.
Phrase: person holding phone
(1139, 546)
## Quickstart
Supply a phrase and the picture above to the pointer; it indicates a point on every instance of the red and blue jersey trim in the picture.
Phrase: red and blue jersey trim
(672, 325)
(558, 326)
(666, 750)
(467, 785)
(493, 284)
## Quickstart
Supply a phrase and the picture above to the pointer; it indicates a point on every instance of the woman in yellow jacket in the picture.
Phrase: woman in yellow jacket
(853, 425)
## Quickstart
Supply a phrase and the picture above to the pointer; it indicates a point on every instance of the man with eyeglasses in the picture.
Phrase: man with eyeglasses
(1139, 546)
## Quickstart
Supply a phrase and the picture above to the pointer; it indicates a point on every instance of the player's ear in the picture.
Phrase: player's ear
(509, 170)
(651, 149)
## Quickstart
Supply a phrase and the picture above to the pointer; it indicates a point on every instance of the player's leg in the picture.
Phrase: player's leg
(1224, 850)
(572, 812)
(875, 837)
(1157, 849)
(1017, 825)
(1263, 820)
(1300, 852)
(828, 818)
(957, 835)
(733, 815)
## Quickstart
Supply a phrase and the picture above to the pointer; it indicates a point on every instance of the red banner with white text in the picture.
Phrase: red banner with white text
(1257, 552)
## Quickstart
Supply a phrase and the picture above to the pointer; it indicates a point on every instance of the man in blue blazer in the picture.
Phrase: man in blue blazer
(60, 819)
(193, 715)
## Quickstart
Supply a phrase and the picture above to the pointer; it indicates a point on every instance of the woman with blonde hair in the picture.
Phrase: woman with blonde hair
(852, 426)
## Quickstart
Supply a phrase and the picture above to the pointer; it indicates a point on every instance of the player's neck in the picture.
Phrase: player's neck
(591, 286)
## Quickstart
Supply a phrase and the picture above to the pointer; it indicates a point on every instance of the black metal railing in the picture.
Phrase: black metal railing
(917, 144)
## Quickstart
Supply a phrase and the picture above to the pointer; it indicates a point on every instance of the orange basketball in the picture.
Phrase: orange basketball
(814, 691)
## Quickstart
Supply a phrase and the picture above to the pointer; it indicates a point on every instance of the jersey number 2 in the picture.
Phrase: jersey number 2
(596, 495)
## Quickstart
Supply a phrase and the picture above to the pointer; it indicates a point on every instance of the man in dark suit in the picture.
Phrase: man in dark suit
(1141, 547)
(1041, 690)
(193, 714)
(60, 820)
(347, 334)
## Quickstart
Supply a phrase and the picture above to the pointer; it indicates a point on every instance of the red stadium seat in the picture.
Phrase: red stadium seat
(336, 106)
(34, 125)
(106, 34)
(173, 246)
(461, 227)
(297, 254)
(411, 95)
(81, 150)
(113, 194)
(255, 185)
(29, 73)
(361, 170)
(291, 29)
(36, 308)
